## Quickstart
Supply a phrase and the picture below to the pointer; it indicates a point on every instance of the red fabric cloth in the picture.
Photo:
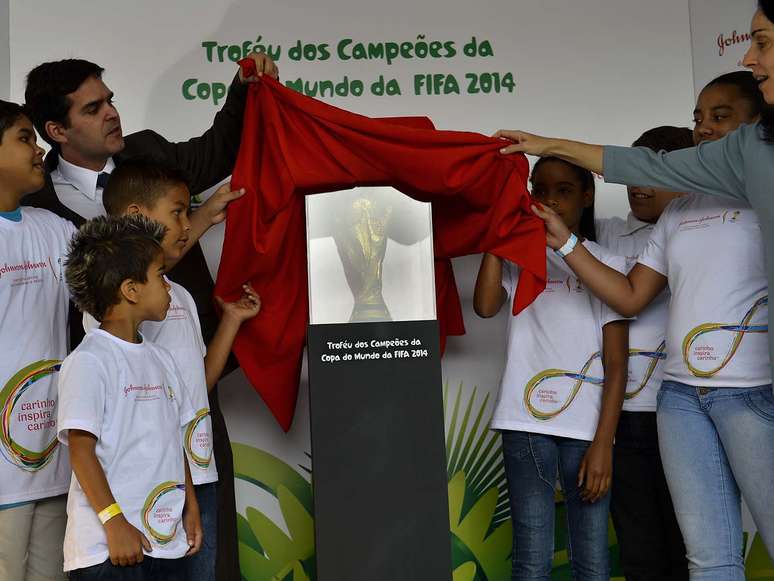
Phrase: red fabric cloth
(292, 146)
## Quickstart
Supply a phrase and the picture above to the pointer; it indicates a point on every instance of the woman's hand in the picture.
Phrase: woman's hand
(584, 155)
(557, 233)
(523, 142)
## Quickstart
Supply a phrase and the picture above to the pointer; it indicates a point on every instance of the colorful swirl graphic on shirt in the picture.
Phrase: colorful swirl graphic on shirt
(41, 414)
(152, 512)
(656, 356)
(193, 433)
(578, 378)
(739, 330)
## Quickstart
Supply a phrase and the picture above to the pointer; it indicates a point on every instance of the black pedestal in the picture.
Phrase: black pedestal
(378, 454)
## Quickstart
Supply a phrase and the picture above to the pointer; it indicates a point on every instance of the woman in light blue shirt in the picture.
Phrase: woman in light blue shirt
(740, 166)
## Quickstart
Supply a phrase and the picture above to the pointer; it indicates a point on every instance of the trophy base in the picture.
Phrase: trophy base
(378, 448)
(370, 313)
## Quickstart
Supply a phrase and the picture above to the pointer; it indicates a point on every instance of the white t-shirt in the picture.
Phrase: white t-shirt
(553, 378)
(129, 396)
(181, 335)
(33, 319)
(711, 251)
(647, 347)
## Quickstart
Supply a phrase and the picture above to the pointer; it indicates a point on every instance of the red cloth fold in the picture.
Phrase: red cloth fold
(293, 145)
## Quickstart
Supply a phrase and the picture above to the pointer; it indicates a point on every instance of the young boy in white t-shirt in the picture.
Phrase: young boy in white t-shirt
(34, 472)
(159, 191)
(132, 511)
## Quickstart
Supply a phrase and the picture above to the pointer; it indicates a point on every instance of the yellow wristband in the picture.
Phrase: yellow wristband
(109, 512)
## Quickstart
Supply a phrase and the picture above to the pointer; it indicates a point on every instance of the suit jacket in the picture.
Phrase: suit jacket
(207, 159)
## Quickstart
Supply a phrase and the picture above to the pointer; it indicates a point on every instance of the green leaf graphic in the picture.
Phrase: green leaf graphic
(266, 552)
(758, 565)
(466, 572)
(481, 543)
(480, 526)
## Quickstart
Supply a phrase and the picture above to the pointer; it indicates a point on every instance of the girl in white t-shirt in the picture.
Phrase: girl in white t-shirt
(561, 391)
(715, 407)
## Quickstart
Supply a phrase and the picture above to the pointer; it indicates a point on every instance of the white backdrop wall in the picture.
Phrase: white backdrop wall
(720, 35)
(598, 70)
(5, 63)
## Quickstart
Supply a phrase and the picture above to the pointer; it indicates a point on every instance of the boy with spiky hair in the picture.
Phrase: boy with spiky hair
(34, 472)
(156, 189)
(122, 406)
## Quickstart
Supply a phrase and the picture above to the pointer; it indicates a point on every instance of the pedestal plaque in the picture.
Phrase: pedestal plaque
(378, 453)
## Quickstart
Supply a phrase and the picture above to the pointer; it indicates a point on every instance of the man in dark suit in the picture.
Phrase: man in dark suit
(73, 111)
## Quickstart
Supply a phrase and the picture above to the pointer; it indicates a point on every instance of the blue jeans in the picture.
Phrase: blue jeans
(149, 570)
(201, 566)
(532, 462)
(715, 442)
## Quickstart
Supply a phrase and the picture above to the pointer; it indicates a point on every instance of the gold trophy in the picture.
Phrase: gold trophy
(361, 239)
(361, 221)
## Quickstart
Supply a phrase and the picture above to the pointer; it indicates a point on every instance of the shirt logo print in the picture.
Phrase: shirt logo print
(574, 284)
(544, 395)
(731, 216)
(739, 330)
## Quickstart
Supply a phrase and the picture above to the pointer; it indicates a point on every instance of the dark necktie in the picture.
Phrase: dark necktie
(102, 180)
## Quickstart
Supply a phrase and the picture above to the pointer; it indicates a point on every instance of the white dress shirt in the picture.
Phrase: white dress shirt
(76, 187)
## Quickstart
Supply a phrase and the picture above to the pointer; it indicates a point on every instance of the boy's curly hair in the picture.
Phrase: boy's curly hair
(104, 253)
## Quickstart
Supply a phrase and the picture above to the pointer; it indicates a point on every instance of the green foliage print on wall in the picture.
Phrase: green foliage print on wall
(266, 552)
(479, 518)
(478, 496)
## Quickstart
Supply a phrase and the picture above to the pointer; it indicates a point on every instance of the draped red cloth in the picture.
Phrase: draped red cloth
(292, 146)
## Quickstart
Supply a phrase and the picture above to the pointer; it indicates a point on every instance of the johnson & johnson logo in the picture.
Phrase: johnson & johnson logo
(734, 38)
(24, 266)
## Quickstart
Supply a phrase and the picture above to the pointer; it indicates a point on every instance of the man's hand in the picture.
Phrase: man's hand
(263, 65)
(523, 142)
(125, 543)
(214, 209)
(248, 306)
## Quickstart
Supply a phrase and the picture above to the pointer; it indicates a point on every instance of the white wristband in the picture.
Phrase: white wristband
(568, 247)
